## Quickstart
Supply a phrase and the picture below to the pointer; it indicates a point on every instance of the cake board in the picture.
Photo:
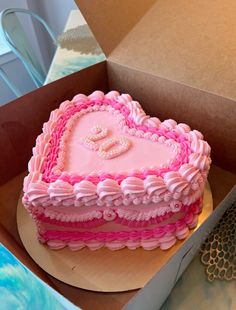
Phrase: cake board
(101, 270)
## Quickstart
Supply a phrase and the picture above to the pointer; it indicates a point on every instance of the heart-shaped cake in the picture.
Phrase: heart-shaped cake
(103, 173)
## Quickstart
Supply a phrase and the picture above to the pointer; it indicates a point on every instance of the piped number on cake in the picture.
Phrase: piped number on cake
(98, 133)
(108, 149)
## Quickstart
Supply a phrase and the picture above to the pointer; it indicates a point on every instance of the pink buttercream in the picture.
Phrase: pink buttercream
(132, 185)
(108, 190)
(178, 181)
(38, 193)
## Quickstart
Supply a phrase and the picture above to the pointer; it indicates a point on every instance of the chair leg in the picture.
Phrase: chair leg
(13, 88)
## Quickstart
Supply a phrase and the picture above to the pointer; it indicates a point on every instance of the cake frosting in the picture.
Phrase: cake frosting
(105, 174)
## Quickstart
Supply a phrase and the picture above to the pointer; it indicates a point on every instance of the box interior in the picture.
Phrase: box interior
(157, 84)
(29, 113)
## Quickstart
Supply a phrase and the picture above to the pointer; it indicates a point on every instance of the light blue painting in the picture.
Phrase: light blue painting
(21, 289)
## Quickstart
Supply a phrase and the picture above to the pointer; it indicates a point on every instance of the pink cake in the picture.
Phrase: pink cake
(105, 174)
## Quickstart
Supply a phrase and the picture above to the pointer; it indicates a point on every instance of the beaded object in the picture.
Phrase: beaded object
(218, 251)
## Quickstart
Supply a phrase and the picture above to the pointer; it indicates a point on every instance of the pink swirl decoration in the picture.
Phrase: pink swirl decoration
(108, 190)
(37, 192)
(169, 124)
(201, 147)
(32, 177)
(60, 191)
(109, 215)
(132, 185)
(175, 182)
(175, 206)
(36, 163)
(154, 185)
(85, 191)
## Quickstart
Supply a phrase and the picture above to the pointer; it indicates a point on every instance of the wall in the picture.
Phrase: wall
(25, 21)
(21, 79)
(10, 64)
(55, 13)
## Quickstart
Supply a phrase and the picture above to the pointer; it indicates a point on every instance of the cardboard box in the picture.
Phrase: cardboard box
(178, 60)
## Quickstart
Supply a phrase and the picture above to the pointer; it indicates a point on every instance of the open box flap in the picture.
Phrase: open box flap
(110, 21)
(192, 42)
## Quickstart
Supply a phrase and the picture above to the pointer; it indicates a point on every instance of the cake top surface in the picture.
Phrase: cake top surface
(106, 143)
(140, 153)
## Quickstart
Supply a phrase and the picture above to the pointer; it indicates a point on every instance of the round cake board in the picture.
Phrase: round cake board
(101, 270)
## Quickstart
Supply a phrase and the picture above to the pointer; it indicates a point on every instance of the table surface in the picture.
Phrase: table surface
(69, 59)
(192, 291)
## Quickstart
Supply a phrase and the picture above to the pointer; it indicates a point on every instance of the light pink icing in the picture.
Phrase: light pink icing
(108, 190)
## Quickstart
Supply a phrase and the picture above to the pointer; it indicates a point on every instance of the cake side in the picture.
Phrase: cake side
(140, 200)
(115, 229)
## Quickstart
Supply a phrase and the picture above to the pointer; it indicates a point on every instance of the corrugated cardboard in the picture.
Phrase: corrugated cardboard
(176, 58)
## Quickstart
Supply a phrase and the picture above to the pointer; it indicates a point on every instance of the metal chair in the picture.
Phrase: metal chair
(19, 43)
(9, 83)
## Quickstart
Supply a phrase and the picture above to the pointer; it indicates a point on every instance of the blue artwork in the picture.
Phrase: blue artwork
(21, 289)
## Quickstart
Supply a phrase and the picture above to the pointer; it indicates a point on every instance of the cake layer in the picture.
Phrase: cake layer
(96, 216)
(114, 236)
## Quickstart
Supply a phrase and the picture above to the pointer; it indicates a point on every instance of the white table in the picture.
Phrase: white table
(67, 61)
